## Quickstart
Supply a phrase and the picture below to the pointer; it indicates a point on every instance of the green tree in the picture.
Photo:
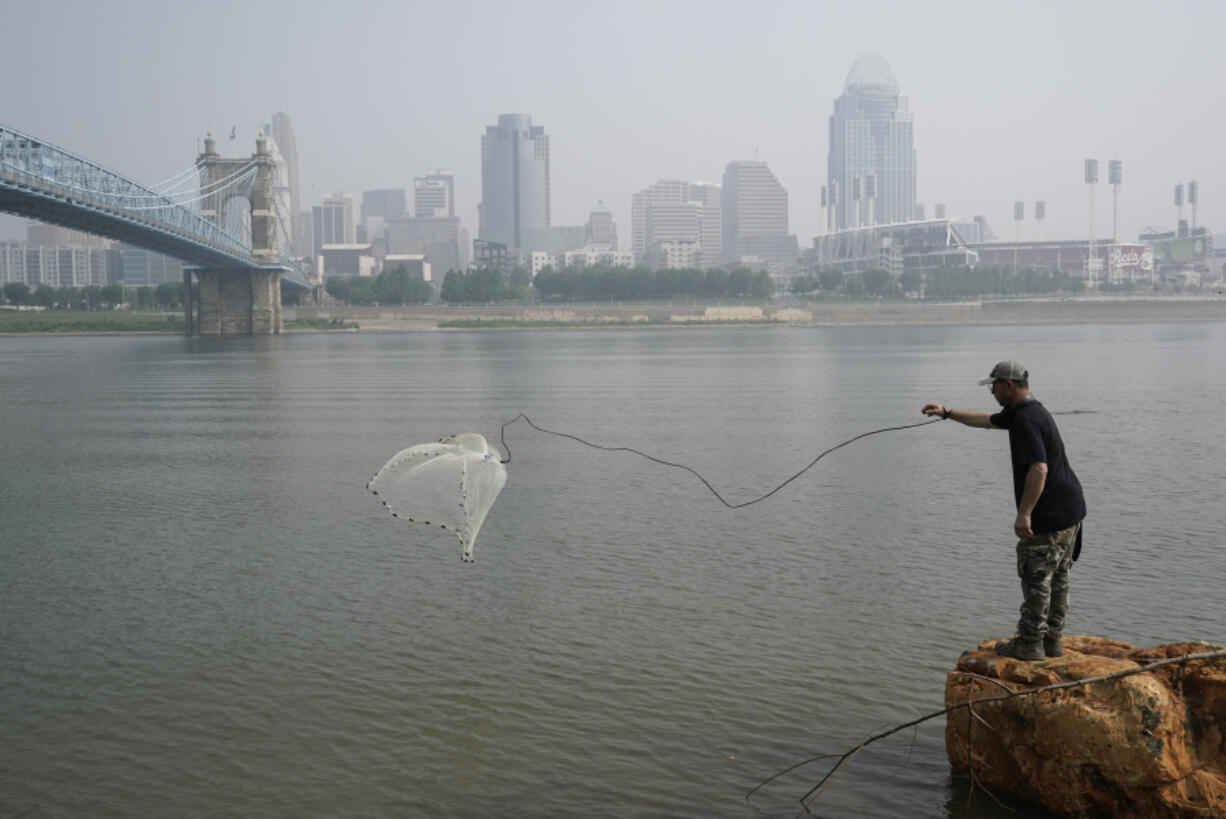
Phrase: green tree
(804, 284)
(877, 282)
(111, 295)
(455, 289)
(830, 279)
(911, 281)
(520, 276)
(486, 284)
(394, 286)
(169, 295)
(146, 298)
(739, 282)
(44, 296)
(762, 286)
(17, 292)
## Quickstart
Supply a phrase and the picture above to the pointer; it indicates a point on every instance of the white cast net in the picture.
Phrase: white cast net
(450, 484)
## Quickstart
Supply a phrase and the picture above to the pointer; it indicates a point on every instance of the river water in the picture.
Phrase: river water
(204, 613)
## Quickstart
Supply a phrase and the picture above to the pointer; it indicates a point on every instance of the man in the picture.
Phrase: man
(1050, 507)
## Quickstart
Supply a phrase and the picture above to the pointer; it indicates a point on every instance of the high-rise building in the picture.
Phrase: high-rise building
(601, 231)
(755, 215)
(871, 134)
(442, 240)
(434, 195)
(700, 199)
(514, 207)
(58, 265)
(282, 196)
(332, 222)
(283, 134)
(378, 207)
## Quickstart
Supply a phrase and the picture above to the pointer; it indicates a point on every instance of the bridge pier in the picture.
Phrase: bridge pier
(239, 302)
(189, 303)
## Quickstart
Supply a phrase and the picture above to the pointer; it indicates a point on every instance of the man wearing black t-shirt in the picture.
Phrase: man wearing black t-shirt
(1050, 507)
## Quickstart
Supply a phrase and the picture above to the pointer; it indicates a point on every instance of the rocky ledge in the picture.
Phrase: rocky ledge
(1147, 744)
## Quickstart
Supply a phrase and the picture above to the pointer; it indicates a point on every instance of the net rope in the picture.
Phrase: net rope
(693, 472)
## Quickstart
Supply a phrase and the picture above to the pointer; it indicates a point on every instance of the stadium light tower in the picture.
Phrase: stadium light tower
(1179, 208)
(1019, 214)
(1091, 180)
(1115, 175)
(1192, 197)
(1040, 213)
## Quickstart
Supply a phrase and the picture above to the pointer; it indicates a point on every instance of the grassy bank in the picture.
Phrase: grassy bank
(72, 321)
(318, 324)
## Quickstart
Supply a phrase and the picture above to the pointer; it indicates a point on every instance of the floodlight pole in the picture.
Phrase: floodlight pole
(1091, 177)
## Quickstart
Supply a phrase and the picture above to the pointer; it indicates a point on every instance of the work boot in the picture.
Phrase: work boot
(1052, 646)
(1021, 649)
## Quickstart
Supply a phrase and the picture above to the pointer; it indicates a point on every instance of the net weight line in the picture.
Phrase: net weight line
(705, 482)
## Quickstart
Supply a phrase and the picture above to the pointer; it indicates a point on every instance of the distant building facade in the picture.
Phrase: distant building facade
(434, 195)
(283, 134)
(59, 257)
(897, 248)
(514, 207)
(601, 230)
(415, 264)
(332, 223)
(871, 134)
(140, 267)
(755, 219)
(378, 207)
(442, 240)
(284, 207)
(346, 260)
(678, 210)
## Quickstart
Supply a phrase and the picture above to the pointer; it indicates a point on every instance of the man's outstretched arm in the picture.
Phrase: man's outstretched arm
(970, 418)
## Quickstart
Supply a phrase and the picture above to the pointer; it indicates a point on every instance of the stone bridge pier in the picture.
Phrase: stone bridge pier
(246, 300)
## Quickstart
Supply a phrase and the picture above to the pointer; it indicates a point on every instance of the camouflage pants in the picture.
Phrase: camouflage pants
(1043, 562)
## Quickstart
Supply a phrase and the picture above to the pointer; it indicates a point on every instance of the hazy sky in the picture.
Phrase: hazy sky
(1008, 98)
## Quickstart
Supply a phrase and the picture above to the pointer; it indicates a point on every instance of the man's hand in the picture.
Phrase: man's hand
(1021, 526)
(933, 409)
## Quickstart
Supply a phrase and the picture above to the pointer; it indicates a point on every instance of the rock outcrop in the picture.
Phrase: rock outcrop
(1150, 744)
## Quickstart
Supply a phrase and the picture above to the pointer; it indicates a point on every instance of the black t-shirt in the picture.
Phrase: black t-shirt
(1033, 438)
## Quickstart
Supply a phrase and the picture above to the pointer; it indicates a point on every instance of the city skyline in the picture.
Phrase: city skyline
(1008, 112)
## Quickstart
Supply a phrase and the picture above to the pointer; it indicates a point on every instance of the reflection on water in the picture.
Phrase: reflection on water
(205, 613)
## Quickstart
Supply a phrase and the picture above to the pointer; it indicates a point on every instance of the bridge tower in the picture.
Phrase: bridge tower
(235, 301)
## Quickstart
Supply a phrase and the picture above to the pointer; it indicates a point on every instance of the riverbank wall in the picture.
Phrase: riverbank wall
(656, 314)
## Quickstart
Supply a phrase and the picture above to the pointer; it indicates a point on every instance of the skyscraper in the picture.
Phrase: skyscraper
(600, 230)
(332, 222)
(378, 206)
(283, 195)
(515, 184)
(283, 135)
(871, 133)
(755, 214)
(649, 223)
(434, 195)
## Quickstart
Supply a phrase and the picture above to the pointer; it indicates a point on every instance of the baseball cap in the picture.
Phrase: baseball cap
(1012, 370)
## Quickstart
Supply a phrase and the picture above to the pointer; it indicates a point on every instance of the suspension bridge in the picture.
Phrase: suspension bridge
(241, 257)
